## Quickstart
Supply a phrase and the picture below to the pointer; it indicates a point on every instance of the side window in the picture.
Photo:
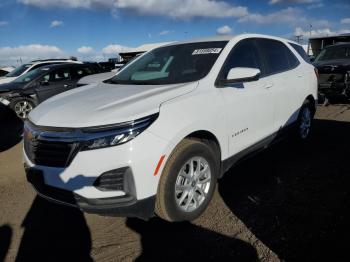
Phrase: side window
(278, 57)
(60, 75)
(39, 65)
(300, 51)
(45, 78)
(243, 54)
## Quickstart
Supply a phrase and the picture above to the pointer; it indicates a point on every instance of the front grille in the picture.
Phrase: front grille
(47, 152)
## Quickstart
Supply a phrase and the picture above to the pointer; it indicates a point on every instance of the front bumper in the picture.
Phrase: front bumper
(126, 205)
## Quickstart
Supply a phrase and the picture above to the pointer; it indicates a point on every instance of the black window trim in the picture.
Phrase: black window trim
(262, 75)
(262, 57)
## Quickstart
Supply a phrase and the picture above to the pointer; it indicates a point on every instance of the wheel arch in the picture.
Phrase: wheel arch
(312, 100)
(209, 138)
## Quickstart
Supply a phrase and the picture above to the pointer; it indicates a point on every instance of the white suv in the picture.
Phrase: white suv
(155, 138)
(25, 68)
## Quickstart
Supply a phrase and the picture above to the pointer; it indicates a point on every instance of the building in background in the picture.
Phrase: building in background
(316, 44)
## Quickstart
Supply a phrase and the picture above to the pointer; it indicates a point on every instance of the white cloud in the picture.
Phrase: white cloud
(114, 49)
(3, 23)
(86, 4)
(56, 23)
(26, 53)
(87, 53)
(85, 50)
(318, 32)
(273, 2)
(315, 6)
(10, 55)
(183, 9)
(288, 15)
(179, 9)
(345, 21)
(224, 30)
(165, 32)
(291, 16)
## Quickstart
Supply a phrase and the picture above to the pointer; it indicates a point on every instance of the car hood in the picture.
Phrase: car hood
(8, 87)
(4, 80)
(96, 78)
(103, 104)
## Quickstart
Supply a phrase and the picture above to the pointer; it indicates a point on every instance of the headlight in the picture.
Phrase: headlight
(113, 135)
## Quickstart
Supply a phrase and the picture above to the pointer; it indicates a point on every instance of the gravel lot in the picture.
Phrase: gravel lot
(289, 203)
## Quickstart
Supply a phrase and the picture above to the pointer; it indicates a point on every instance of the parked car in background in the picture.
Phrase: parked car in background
(156, 137)
(27, 91)
(5, 70)
(25, 68)
(333, 64)
(97, 78)
(107, 66)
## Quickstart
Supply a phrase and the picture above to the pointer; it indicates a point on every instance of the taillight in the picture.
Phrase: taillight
(316, 72)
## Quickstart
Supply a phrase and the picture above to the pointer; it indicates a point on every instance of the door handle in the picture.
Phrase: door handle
(268, 86)
(66, 86)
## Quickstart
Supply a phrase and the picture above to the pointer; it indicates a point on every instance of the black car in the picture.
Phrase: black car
(333, 64)
(29, 90)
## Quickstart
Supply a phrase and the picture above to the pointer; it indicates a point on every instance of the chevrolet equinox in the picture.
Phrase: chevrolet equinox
(155, 138)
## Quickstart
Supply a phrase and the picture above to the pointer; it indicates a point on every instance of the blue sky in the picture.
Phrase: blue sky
(98, 29)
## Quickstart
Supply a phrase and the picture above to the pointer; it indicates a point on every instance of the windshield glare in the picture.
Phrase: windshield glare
(19, 70)
(334, 53)
(26, 78)
(171, 64)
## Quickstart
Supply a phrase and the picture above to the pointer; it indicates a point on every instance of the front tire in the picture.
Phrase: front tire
(22, 107)
(188, 181)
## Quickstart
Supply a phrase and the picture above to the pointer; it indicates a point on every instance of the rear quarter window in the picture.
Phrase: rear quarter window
(301, 52)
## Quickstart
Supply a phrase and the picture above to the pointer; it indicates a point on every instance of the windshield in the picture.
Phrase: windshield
(19, 70)
(334, 53)
(26, 78)
(171, 64)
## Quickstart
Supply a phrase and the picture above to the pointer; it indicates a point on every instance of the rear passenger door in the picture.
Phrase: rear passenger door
(54, 83)
(249, 105)
(286, 77)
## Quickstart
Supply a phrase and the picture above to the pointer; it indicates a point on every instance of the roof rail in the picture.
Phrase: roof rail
(55, 59)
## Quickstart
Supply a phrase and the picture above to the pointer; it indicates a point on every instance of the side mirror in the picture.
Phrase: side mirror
(241, 75)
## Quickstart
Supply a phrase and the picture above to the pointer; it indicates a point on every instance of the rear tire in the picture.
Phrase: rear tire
(305, 120)
(188, 181)
(22, 107)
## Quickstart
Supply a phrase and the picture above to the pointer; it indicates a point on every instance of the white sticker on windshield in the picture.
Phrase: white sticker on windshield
(207, 51)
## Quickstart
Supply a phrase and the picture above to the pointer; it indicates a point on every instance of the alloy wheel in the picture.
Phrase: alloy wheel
(193, 184)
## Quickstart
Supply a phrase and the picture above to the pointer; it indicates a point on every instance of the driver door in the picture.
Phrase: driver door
(249, 105)
(54, 83)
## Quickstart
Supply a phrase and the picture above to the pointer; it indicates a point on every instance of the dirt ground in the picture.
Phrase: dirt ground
(288, 203)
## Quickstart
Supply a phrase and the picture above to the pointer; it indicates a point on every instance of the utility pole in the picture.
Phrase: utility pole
(299, 38)
(310, 29)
